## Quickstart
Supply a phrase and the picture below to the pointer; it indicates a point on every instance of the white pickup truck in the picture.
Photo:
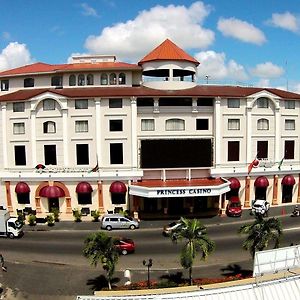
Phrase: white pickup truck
(260, 207)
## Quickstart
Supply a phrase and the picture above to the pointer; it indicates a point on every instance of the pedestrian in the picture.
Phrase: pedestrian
(2, 263)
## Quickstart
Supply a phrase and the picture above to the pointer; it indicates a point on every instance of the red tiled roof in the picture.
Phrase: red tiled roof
(180, 182)
(168, 51)
(46, 68)
(198, 91)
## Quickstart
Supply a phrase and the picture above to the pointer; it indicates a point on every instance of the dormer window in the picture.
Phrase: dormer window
(56, 81)
(28, 82)
(262, 102)
(81, 80)
(72, 80)
(90, 79)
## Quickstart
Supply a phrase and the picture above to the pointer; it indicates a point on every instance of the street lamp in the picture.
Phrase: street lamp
(148, 265)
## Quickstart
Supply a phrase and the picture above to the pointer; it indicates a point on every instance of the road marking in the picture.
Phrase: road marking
(291, 229)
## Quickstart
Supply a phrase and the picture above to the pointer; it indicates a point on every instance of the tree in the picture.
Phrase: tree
(99, 248)
(193, 232)
(260, 233)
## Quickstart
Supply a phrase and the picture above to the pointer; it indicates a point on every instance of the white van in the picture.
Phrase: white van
(118, 221)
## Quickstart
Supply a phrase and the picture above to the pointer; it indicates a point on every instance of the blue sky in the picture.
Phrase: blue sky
(237, 42)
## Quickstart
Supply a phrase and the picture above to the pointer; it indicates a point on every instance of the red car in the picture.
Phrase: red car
(234, 207)
(124, 245)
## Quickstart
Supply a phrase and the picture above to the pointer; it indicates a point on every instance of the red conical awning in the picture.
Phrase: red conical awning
(261, 182)
(52, 192)
(234, 183)
(22, 188)
(288, 180)
(118, 187)
(83, 188)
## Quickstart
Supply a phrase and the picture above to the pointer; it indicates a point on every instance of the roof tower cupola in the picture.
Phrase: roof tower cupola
(169, 67)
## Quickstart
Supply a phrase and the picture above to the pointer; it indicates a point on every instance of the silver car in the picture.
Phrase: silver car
(118, 221)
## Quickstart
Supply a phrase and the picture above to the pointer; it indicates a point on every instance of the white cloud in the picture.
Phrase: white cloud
(264, 82)
(133, 39)
(267, 70)
(296, 88)
(241, 30)
(215, 66)
(286, 21)
(87, 10)
(14, 55)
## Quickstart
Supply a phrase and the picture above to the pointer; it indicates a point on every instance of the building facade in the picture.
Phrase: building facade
(98, 134)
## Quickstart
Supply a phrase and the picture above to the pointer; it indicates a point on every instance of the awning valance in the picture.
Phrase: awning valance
(261, 182)
(234, 183)
(288, 180)
(22, 188)
(83, 188)
(118, 187)
(52, 192)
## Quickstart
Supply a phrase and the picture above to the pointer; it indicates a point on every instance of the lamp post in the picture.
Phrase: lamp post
(148, 265)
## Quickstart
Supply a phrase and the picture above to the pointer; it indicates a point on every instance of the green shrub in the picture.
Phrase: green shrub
(55, 212)
(166, 284)
(50, 220)
(31, 220)
(21, 218)
(77, 215)
(95, 214)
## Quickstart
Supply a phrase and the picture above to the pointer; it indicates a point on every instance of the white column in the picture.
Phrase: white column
(4, 135)
(134, 157)
(33, 138)
(98, 131)
(277, 136)
(249, 157)
(65, 137)
(218, 141)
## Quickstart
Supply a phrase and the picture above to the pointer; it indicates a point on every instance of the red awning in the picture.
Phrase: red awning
(52, 192)
(234, 183)
(288, 180)
(261, 182)
(118, 187)
(83, 188)
(22, 188)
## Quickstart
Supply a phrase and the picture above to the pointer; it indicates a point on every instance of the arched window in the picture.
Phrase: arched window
(175, 124)
(49, 127)
(90, 79)
(263, 124)
(72, 80)
(28, 82)
(112, 79)
(81, 79)
(48, 104)
(262, 102)
(104, 79)
(122, 78)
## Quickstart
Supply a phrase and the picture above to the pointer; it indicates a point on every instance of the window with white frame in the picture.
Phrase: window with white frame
(262, 102)
(122, 78)
(48, 104)
(4, 85)
(104, 79)
(289, 124)
(81, 79)
(49, 127)
(90, 79)
(175, 124)
(289, 104)
(147, 125)
(56, 80)
(113, 78)
(81, 104)
(233, 103)
(28, 82)
(233, 124)
(81, 126)
(19, 128)
(18, 107)
(263, 124)
(72, 80)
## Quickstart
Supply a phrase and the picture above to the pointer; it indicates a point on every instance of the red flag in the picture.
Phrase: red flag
(253, 164)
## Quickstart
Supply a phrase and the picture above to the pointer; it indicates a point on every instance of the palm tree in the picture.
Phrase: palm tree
(196, 240)
(99, 248)
(260, 233)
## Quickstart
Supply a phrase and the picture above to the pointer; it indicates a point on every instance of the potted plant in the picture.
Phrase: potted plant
(31, 220)
(50, 220)
(55, 213)
(77, 215)
(95, 214)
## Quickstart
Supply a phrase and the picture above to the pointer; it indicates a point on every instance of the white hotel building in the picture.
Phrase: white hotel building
(164, 146)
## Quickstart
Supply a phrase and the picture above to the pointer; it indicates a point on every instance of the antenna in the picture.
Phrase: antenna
(287, 77)
(207, 77)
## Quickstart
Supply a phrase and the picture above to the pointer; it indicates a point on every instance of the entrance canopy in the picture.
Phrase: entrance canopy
(180, 188)
(261, 182)
(52, 192)
(83, 188)
(118, 187)
(288, 180)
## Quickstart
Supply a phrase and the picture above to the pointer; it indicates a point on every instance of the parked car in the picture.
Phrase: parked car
(168, 229)
(118, 221)
(260, 207)
(234, 207)
(124, 245)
